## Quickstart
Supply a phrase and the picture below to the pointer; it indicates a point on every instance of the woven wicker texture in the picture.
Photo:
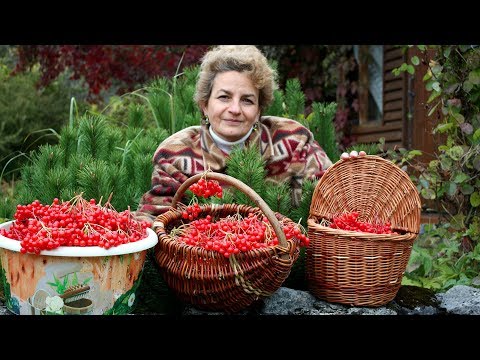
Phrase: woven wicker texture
(356, 268)
(208, 280)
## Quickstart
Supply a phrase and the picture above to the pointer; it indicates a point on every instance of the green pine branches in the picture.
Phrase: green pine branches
(322, 126)
(294, 98)
(93, 158)
(248, 166)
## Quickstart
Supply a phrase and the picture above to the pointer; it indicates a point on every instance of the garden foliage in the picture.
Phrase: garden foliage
(448, 253)
(29, 117)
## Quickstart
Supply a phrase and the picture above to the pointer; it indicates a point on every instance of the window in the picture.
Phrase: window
(370, 82)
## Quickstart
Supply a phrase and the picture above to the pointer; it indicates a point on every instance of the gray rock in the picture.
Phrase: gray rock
(287, 301)
(461, 300)
(423, 310)
(410, 300)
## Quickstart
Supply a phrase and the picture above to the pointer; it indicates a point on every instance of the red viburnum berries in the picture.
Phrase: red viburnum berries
(349, 221)
(77, 222)
(235, 234)
(231, 234)
(206, 188)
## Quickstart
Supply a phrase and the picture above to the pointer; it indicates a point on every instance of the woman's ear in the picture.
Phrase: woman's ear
(204, 109)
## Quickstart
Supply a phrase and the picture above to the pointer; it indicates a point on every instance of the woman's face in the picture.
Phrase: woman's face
(232, 108)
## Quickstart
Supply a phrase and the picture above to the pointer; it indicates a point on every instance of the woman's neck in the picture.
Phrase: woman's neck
(225, 145)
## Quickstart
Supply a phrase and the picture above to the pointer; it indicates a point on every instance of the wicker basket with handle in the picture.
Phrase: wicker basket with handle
(208, 280)
(357, 268)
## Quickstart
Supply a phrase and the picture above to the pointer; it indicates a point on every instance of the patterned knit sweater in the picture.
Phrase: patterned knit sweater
(290, 152)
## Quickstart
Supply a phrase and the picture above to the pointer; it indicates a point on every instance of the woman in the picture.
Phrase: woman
(235, 85)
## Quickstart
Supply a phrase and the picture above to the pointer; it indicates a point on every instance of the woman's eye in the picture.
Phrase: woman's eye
(223, 97)
(248, 101)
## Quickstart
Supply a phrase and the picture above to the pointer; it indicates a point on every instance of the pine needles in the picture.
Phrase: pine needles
(248, 166)
(323, 128)
(93, 158)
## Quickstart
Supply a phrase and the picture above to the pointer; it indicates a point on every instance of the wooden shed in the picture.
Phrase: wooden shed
(402, 118)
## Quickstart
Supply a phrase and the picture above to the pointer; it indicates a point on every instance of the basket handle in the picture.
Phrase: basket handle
(242, 187)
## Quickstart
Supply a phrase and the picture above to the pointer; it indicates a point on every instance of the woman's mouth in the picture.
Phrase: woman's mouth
(233, 122)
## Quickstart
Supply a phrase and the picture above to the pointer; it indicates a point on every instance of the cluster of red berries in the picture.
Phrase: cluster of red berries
(349, 221)
(191, 212)
(234, 234)
(206, 188)
(73, 223)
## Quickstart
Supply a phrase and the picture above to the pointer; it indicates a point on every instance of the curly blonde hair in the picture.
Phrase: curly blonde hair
(242, 58)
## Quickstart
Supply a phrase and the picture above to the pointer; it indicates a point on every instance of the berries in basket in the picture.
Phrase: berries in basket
(224, 257)
(364, 218)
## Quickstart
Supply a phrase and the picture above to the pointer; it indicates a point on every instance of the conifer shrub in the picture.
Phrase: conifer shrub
(93, 158)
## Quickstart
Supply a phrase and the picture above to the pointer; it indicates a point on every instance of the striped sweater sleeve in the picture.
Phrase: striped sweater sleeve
(174, 161)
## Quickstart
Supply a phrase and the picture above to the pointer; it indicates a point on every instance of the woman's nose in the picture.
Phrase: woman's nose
(234, 107)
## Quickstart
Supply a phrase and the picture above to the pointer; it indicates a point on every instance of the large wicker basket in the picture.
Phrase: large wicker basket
(208, 280)
(356, 268)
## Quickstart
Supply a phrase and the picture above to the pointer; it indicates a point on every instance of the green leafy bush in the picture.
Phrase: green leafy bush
(449, 253)
(29, 117)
